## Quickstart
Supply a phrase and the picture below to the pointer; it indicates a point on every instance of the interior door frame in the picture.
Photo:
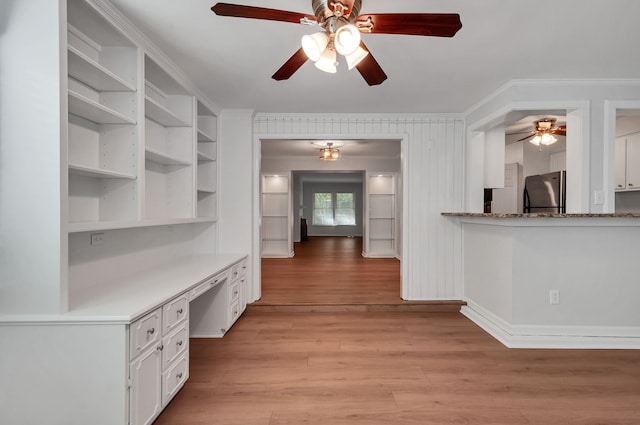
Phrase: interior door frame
(255, 286)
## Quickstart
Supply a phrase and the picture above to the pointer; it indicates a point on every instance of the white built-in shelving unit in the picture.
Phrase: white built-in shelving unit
(102, 132)
(136, 222)
(276, 215)
(169, 146)
(206, 179)
(381, 212)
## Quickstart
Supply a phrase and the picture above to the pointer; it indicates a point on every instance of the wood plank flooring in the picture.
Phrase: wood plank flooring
(396, 368)
(330, 270)
(386, 366)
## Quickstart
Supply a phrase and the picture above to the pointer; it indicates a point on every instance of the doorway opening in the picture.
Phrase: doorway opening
(328, 227)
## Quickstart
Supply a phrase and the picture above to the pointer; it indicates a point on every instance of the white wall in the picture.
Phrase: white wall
(32, 251)
(508, 286)
(432, 179)
(237, 182)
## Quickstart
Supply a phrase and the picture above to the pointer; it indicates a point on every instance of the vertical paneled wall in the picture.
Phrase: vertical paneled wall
(432, 182)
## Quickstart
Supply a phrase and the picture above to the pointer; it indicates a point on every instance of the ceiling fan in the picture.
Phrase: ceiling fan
(341, 23)
(543, 132)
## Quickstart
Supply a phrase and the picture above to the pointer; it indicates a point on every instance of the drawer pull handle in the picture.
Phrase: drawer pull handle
(179, 343)
(160, 347)
(151, 331)
(180, 312)
(179, 375)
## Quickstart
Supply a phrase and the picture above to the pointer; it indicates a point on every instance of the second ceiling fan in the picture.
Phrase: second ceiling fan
(341, 24)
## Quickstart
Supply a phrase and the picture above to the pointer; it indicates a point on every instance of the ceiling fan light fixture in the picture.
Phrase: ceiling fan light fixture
(327, 61)
(314, 45)
(354, 58)
(545, 139)
(347, 39)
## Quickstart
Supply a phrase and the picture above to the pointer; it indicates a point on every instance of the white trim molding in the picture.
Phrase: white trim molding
(561, 337)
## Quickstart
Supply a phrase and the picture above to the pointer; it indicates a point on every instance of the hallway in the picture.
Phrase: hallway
(330, 270)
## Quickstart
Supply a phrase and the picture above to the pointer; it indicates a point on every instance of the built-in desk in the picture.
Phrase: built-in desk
(122, 351)
(553, 280)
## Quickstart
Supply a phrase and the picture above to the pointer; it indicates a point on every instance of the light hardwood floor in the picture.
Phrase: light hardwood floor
(391, 367)
(330, 270)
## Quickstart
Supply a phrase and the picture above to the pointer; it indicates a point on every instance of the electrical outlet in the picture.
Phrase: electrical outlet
(97, 238)
(554, 296)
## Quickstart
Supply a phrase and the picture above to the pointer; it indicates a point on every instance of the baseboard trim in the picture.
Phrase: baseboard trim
(561, 337)
(452, 306)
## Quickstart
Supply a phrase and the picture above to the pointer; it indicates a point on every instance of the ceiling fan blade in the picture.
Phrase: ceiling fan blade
(253, 12)
(561, 131)
(525, 138)
(291, 66)
(430, 24)
(520, 132)
(370, 69)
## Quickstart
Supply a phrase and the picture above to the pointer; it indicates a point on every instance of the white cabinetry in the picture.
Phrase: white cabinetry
(509, 198)
(627, 162)
(276, 220)
(380, 216)
(213, 313)
(159, 359)
(116, 153)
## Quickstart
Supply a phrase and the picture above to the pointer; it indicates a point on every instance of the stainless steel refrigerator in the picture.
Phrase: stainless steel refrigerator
(545, 193)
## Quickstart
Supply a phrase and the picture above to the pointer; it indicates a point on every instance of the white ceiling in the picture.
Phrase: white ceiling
(232, 59)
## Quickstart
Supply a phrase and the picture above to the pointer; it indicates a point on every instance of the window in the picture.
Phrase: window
(345, 213)
(334, 209)
(322, 209)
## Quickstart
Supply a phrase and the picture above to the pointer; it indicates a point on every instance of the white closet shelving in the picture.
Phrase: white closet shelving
(207, 156)
(380, 235)
(102, 133)
(168, 145)
(276, 208)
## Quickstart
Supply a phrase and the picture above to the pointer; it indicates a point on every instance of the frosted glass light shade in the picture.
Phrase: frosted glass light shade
(356, 57)
(327, 61)
(347, 39)
(544, 139)
(314, 44)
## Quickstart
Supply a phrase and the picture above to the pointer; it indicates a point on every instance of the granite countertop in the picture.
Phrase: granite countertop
(538, 215)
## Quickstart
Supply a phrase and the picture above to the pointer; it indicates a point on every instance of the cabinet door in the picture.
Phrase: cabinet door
(633, 161)
(621, 163)
(146, 387)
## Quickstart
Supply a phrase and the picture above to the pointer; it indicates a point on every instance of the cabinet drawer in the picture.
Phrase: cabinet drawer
(145, 332)
(175, 311)
(234, 292)
(233, 312)
(206, 285)
(174, 378)
(243, 267)
(235, 271)
(174, 345)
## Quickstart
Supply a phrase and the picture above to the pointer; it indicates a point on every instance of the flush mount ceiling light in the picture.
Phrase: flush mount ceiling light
(341, 25)
(329, 153)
